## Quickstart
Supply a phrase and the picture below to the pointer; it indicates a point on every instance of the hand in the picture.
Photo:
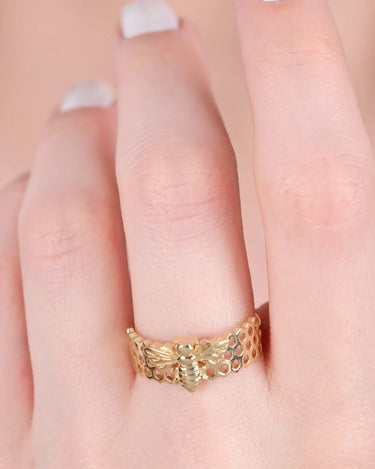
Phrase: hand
(69, 397)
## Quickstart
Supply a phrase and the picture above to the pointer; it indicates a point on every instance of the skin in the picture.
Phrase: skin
(171, 191)
(42, 61)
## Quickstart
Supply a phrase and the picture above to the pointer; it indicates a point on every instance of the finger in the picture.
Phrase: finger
(315, 179)
(179, 191)
(179, 194)
(76, 286)
(16, 389)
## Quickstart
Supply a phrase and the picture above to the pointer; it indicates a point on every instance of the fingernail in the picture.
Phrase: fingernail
(88, 94)
(147, 16)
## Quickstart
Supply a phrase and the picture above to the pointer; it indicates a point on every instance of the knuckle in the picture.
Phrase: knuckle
(325, 197)
(350, 437)
(58, 228)
(336, 426)
(319, 50)
(357, 447)
(145, 60)
(82, 122)
(183, 195)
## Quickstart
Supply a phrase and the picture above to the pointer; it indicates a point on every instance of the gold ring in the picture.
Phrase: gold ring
(189, 361)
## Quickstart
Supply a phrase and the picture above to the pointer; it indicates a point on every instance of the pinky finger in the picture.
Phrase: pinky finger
(16, 390)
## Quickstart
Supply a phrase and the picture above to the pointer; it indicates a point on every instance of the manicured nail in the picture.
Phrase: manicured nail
(147, 16)
(88, 94)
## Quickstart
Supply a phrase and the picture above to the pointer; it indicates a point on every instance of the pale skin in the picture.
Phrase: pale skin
(69, 396)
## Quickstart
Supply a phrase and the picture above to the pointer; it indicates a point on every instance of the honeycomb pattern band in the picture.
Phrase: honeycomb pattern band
(189, 361)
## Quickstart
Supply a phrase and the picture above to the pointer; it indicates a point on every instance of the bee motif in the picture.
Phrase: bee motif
(186, 362)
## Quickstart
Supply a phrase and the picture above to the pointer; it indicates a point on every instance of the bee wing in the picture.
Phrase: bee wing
(161, 356)
(214, 353)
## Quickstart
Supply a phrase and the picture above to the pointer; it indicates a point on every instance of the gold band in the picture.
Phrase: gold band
(190, 361)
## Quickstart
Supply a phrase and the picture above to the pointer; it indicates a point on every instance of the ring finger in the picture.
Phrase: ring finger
(179, 194)
(179, 191)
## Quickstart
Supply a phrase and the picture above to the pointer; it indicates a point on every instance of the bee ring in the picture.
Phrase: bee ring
(189, 361)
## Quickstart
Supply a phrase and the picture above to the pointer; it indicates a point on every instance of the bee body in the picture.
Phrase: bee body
(189, 373)
(184, 360)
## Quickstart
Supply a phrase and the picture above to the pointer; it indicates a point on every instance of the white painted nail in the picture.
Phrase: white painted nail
(147, 16)
(88, 94)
